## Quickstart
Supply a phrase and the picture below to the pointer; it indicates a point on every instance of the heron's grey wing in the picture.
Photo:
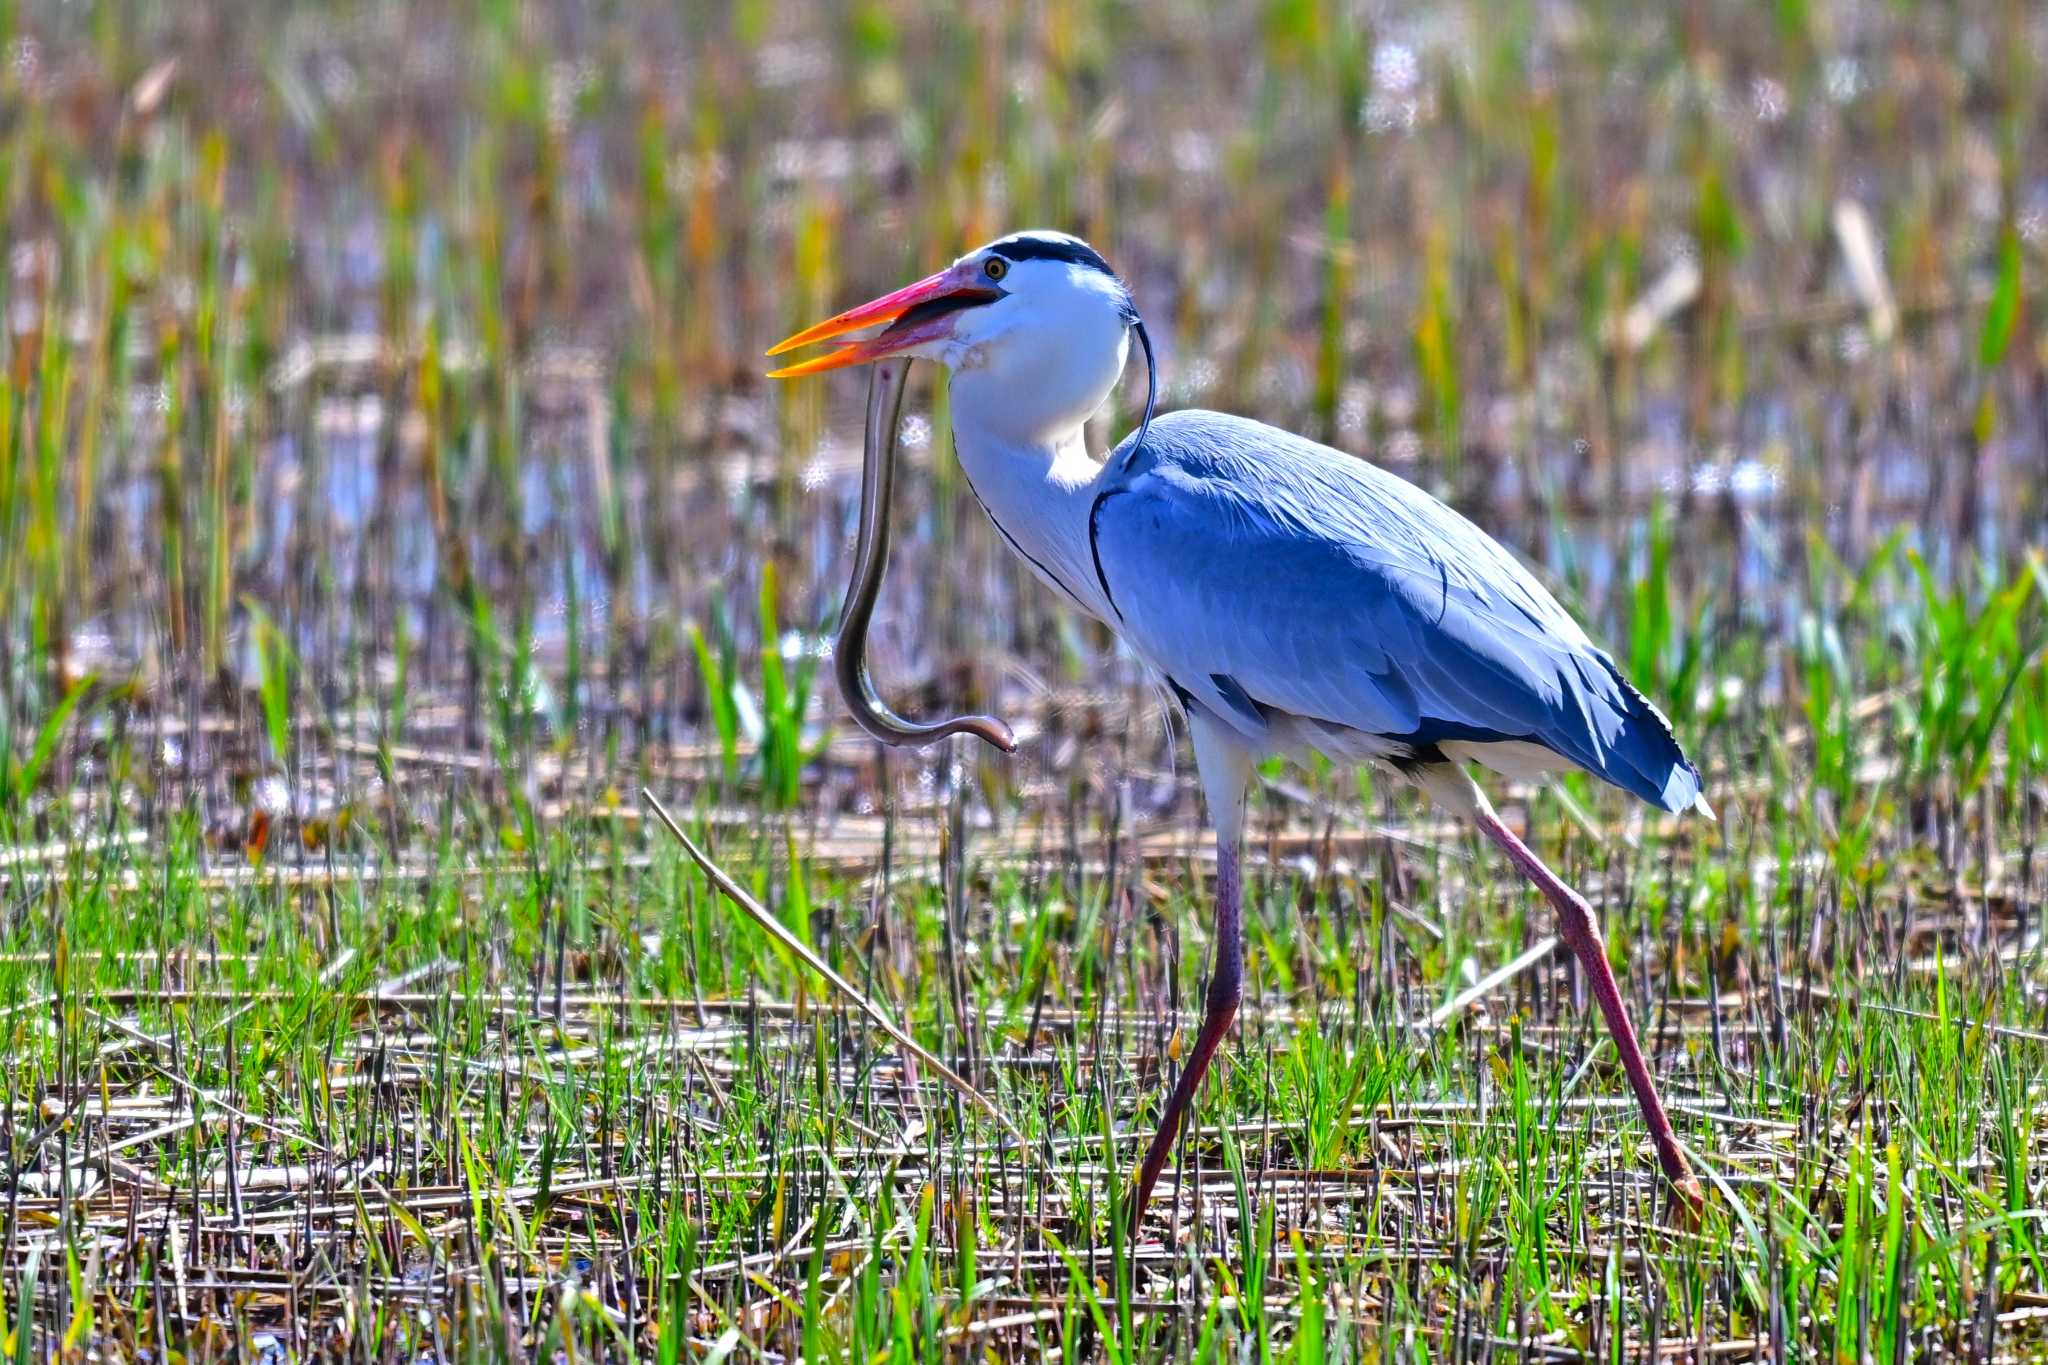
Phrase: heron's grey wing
(1265, 573)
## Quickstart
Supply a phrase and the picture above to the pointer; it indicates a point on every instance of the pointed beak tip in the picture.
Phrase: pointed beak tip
(817, 331)
(835, 359)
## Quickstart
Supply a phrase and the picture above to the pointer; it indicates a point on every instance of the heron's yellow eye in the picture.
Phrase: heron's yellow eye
(995, 267)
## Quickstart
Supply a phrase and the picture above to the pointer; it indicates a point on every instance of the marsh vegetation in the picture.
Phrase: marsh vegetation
(388, 491)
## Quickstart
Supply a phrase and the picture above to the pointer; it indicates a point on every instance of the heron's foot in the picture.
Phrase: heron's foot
(1688, 1199)
(1678, 1170)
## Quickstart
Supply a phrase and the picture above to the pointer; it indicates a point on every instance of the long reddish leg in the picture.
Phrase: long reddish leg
(1226, 988)
(1581, 933)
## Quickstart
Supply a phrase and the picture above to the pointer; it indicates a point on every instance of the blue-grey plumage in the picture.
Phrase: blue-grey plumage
(1296, 598)
(1310, 599)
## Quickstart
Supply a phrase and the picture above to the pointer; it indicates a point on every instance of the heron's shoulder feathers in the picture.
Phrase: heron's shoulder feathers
(1272, 482)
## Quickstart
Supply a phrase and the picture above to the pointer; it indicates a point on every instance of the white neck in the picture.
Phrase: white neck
(1039, 495)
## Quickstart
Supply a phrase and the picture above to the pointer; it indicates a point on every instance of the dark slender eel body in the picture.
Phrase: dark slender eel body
(870, 562)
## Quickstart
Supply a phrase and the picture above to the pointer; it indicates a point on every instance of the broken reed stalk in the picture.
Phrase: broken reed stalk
(781, 933)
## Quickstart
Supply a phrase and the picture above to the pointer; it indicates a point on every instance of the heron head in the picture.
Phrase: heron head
(1035, 328)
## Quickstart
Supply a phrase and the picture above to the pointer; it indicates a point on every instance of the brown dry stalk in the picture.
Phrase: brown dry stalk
(804, 953)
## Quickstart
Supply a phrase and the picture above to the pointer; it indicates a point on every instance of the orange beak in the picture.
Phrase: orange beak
(918, 313)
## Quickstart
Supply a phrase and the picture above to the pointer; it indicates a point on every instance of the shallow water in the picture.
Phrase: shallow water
(515, 345)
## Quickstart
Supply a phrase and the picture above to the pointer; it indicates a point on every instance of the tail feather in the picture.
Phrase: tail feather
(1645, 757)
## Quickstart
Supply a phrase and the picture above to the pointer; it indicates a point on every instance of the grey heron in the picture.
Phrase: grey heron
(1295, 598)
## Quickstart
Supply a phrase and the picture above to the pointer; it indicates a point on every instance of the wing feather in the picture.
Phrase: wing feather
(1249, 564)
